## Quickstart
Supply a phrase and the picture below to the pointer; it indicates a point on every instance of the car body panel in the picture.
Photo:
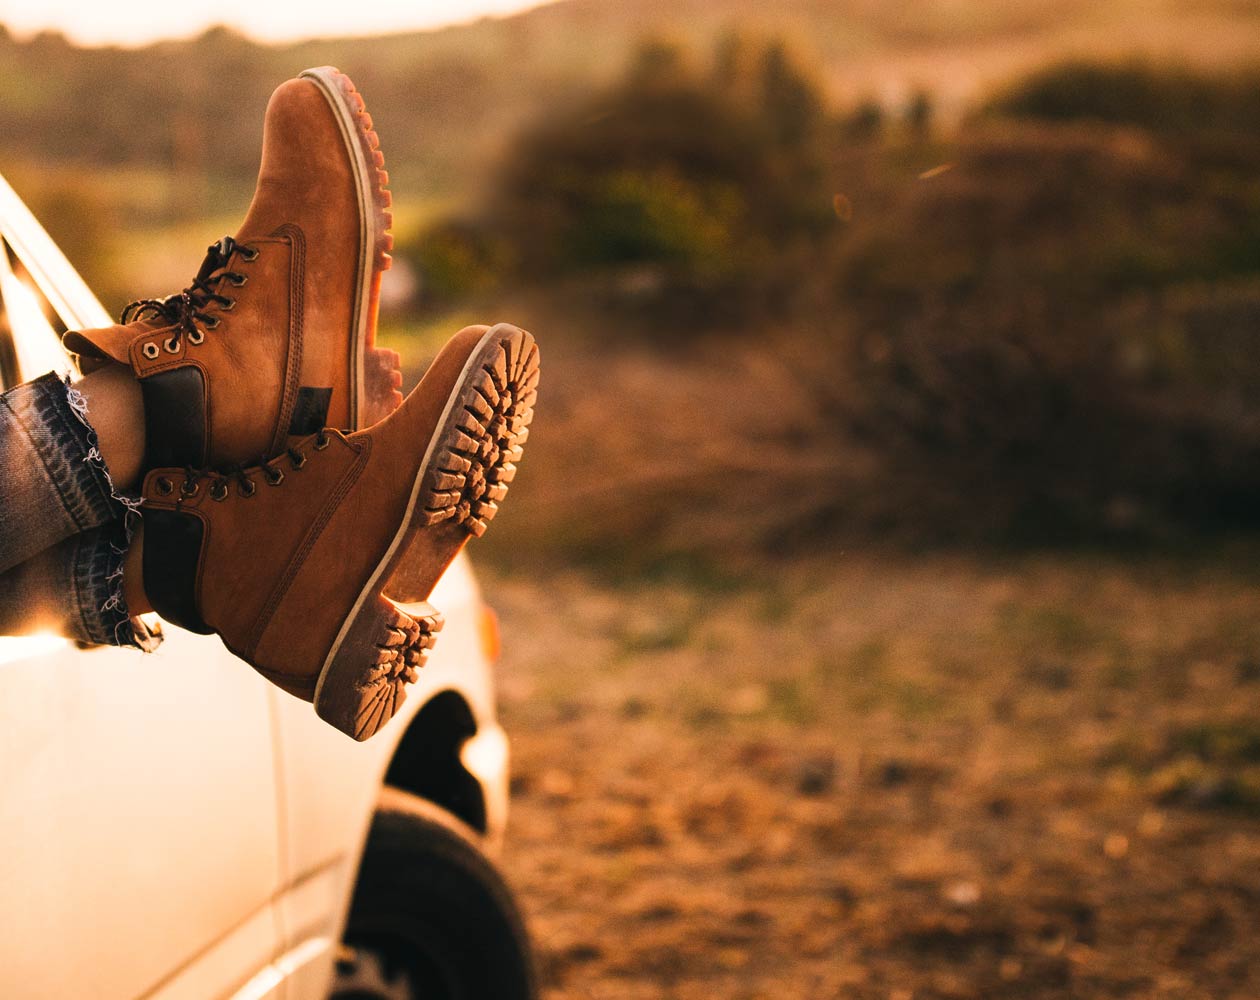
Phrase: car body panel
(127, 818)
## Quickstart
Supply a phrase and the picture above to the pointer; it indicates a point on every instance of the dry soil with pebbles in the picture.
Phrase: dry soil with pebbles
(888, 777)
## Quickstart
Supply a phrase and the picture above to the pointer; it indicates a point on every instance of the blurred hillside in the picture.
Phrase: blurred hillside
(450, 99)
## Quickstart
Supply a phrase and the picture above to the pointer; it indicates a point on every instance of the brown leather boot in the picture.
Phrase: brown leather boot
(287, 561)
(275, 335)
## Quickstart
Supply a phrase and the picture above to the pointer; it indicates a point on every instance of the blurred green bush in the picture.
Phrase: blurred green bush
(1158, 97)
(454, 260)
(677, 193)
(1058, 337)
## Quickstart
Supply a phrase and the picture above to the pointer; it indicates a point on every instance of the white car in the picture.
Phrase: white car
(172, 826)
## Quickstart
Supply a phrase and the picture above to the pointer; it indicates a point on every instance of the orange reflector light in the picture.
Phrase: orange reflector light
(488, 629)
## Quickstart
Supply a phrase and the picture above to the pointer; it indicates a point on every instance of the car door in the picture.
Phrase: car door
(138, 793)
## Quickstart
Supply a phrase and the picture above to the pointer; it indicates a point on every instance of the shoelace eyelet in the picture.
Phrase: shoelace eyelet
(211, 324)
(274, 477)
(188, 488)
(298, 462)
(228, 306)
(171, 345)
(196, 337)
(249, 253)
(164, 486)
(322, 442)
(150, 350)
(252, 488)
(219, 491)
(238, 279)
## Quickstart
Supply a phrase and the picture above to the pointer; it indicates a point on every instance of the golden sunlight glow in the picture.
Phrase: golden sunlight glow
(138, 22)
(15, 648)
(38, 346)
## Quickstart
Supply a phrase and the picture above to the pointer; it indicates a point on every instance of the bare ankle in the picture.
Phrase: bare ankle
(115, 409)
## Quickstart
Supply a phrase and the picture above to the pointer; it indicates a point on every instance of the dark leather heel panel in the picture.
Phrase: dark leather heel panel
(172, 550)
(174, 418)
(310, 413)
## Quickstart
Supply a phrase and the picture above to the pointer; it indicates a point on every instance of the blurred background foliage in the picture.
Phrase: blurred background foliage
(1014, 304)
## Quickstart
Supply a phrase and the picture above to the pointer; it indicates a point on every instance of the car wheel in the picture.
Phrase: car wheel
(431, 916)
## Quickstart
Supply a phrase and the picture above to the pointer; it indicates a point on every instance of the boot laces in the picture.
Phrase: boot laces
(186, 308)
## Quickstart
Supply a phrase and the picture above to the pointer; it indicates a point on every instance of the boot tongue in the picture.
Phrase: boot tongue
(216, 258)
(97, 348)
(217, 255)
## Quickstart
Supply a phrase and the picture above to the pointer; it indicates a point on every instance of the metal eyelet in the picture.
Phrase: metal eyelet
(196, 337)
(164, 486)
(252, 488)
(228, 306)
(219, 491)
(322, 443)
(238, 279)
(171, 345)
(298, 462)
(274, 477)
(249, 253)
(150, 350)
(188, 488)
(211, 324)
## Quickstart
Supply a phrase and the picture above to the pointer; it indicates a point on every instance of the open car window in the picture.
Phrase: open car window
(41, 296)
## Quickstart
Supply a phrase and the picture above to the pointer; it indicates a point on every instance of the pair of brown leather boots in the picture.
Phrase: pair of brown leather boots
(285, 484)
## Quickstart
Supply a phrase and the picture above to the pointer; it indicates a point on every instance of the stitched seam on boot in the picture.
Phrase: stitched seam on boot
(308, 542)
(297, 318)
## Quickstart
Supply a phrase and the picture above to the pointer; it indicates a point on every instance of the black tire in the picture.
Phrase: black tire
(431, 916)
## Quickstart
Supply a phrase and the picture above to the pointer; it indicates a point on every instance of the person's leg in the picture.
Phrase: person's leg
(74, 589)
(69, 462)
(55, 468)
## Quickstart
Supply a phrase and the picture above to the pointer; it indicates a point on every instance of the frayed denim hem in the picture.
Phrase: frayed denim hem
(100, 573)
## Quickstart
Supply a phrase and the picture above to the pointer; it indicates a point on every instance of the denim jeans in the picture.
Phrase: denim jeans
(64, 529)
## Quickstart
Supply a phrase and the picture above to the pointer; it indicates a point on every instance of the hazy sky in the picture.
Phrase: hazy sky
(134, 22)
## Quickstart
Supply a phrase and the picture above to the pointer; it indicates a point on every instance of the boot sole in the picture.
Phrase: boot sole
(470, 460)
(374, 371)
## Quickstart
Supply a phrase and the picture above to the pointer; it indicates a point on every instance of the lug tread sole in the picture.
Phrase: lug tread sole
(471, 459)
(395, 644)
(477, 455)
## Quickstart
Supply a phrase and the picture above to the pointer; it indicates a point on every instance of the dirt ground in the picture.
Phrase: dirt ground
(889, 777)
